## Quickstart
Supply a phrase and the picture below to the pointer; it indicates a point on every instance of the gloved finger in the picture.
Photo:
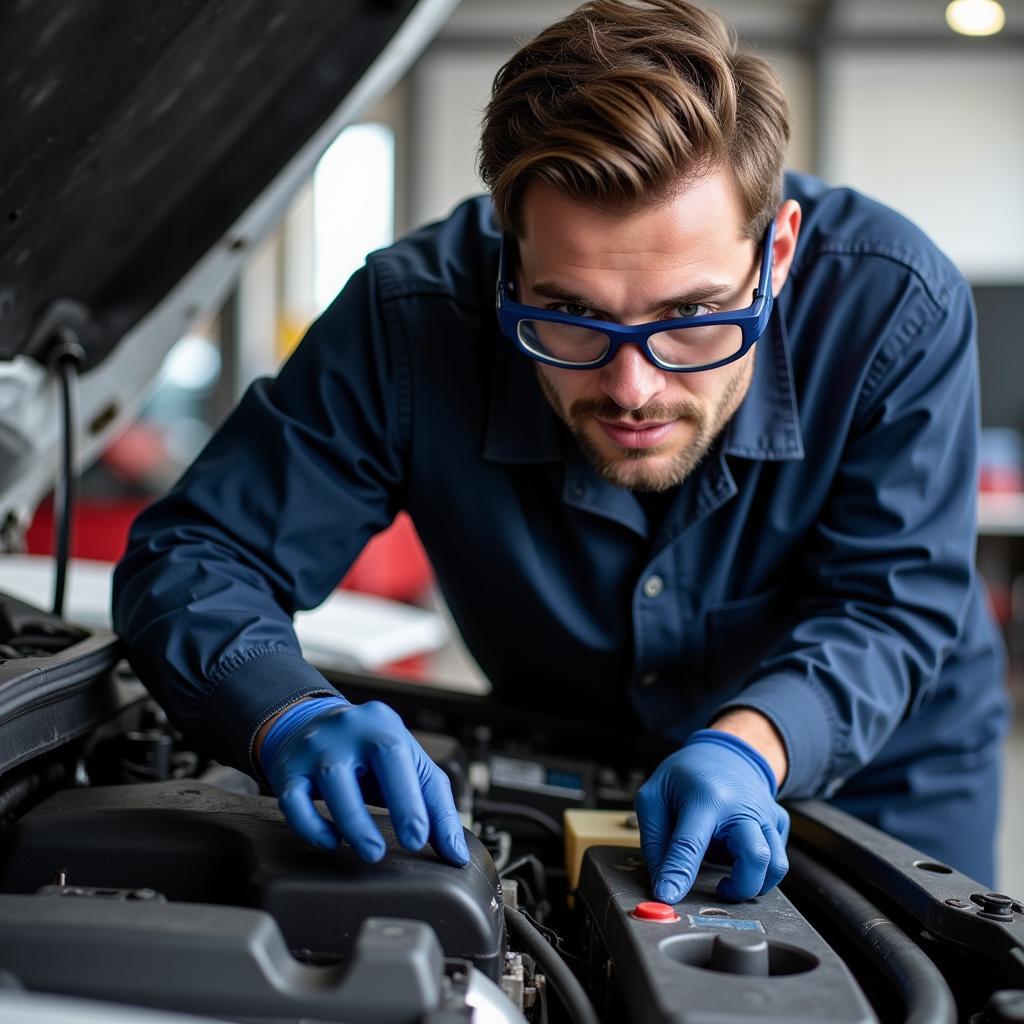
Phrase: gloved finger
(340, 789)
(399, 783)
(655, 819)
(747, 843)
(446, 833)
(296, 803)
(782, 824)
(685, 852)
(779, 863)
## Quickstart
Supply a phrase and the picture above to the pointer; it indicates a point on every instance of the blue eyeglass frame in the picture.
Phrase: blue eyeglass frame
(752, 321)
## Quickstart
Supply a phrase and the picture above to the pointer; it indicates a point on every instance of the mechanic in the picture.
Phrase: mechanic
(710, 469)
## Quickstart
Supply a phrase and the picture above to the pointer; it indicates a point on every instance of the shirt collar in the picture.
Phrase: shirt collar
(767, 424)
(523, 428)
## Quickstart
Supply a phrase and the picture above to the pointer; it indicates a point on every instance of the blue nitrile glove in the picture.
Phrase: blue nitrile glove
(716, 788)
(322, 748)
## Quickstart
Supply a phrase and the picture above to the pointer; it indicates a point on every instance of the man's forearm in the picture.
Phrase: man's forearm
(754, 728)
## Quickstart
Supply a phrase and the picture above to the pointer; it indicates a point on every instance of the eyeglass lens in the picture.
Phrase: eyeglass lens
(683, 347)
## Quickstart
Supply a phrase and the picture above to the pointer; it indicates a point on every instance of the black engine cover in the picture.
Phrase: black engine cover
(198, 844)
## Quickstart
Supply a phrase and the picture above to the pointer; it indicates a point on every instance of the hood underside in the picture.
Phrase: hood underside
(146, 148)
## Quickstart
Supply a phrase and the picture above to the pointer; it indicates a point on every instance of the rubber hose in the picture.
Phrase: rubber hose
(561, 979)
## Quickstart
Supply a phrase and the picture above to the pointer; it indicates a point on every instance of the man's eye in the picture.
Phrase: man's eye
(689, 309)
(574, 309)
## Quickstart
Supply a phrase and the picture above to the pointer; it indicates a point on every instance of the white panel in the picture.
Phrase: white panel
(298, 257)
(354, 209)
(258, 293)
(347, 631)
(941, 138)
(449, 92)
(798, 81)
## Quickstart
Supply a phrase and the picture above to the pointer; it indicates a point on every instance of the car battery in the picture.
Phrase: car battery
(703, 960)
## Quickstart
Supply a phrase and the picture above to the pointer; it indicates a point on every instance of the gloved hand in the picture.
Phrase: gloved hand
(716, 788)
(322, 747)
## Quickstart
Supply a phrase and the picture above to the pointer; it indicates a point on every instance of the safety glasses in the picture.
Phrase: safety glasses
(682, 345)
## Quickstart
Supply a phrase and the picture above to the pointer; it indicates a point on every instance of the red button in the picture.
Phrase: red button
(661, 912)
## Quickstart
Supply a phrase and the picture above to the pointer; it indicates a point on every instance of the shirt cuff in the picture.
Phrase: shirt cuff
(249, 696)
(806, 723)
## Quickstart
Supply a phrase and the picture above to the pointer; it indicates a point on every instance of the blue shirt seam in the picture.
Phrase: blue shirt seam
(403, 374)
(235, 661)
(889, 354)
(833, 726)
(937, 289)
(398, 290)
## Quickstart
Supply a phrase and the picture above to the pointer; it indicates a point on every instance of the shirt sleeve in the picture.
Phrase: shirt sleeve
(266, 522)
(890, 562)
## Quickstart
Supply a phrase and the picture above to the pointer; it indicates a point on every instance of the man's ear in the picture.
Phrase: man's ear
(787, 230)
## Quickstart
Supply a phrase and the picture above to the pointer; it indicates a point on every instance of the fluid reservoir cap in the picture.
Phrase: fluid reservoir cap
(651, 911)
(740, 953)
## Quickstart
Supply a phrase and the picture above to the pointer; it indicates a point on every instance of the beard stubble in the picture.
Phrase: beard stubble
(631, 469)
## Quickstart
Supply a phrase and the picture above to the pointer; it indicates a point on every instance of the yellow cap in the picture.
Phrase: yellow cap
(585, 828)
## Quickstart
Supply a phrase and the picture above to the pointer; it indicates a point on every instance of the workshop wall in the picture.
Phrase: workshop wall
(939, 136)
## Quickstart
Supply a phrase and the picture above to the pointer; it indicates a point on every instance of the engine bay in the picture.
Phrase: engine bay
(136, 871)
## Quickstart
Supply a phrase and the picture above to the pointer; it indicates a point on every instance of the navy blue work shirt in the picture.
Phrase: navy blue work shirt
(817, 565)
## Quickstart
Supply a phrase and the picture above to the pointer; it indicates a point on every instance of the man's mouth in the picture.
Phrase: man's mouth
(637, 435)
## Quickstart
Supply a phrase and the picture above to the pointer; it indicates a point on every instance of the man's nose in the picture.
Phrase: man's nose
(630, 380)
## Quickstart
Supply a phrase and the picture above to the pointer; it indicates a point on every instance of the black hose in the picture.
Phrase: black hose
(527, 860)
(925, 994)
(500, 809)
(576, 1001)
(15, 793)
(65, 365)
(531, 861)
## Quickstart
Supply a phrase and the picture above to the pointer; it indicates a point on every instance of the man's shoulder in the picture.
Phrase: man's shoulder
(840, 223)
(454, 257)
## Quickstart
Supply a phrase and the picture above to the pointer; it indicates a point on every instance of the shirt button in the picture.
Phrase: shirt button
(650, 679)
(653, 586)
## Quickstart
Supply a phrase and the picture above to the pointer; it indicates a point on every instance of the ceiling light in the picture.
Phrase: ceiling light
(975, 17)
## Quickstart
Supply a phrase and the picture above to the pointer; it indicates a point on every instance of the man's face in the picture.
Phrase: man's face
(643, 428)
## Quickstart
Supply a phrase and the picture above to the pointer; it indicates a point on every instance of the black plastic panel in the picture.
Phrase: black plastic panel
(949, 907)
(198, 844)
(49, 697)
(227, 961)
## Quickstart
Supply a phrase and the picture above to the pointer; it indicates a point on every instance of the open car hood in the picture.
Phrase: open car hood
(146, 148)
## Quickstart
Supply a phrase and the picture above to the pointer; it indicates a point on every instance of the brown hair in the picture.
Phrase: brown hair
(623, 102)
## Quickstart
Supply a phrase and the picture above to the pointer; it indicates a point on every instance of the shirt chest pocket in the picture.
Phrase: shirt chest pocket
(742, 634)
